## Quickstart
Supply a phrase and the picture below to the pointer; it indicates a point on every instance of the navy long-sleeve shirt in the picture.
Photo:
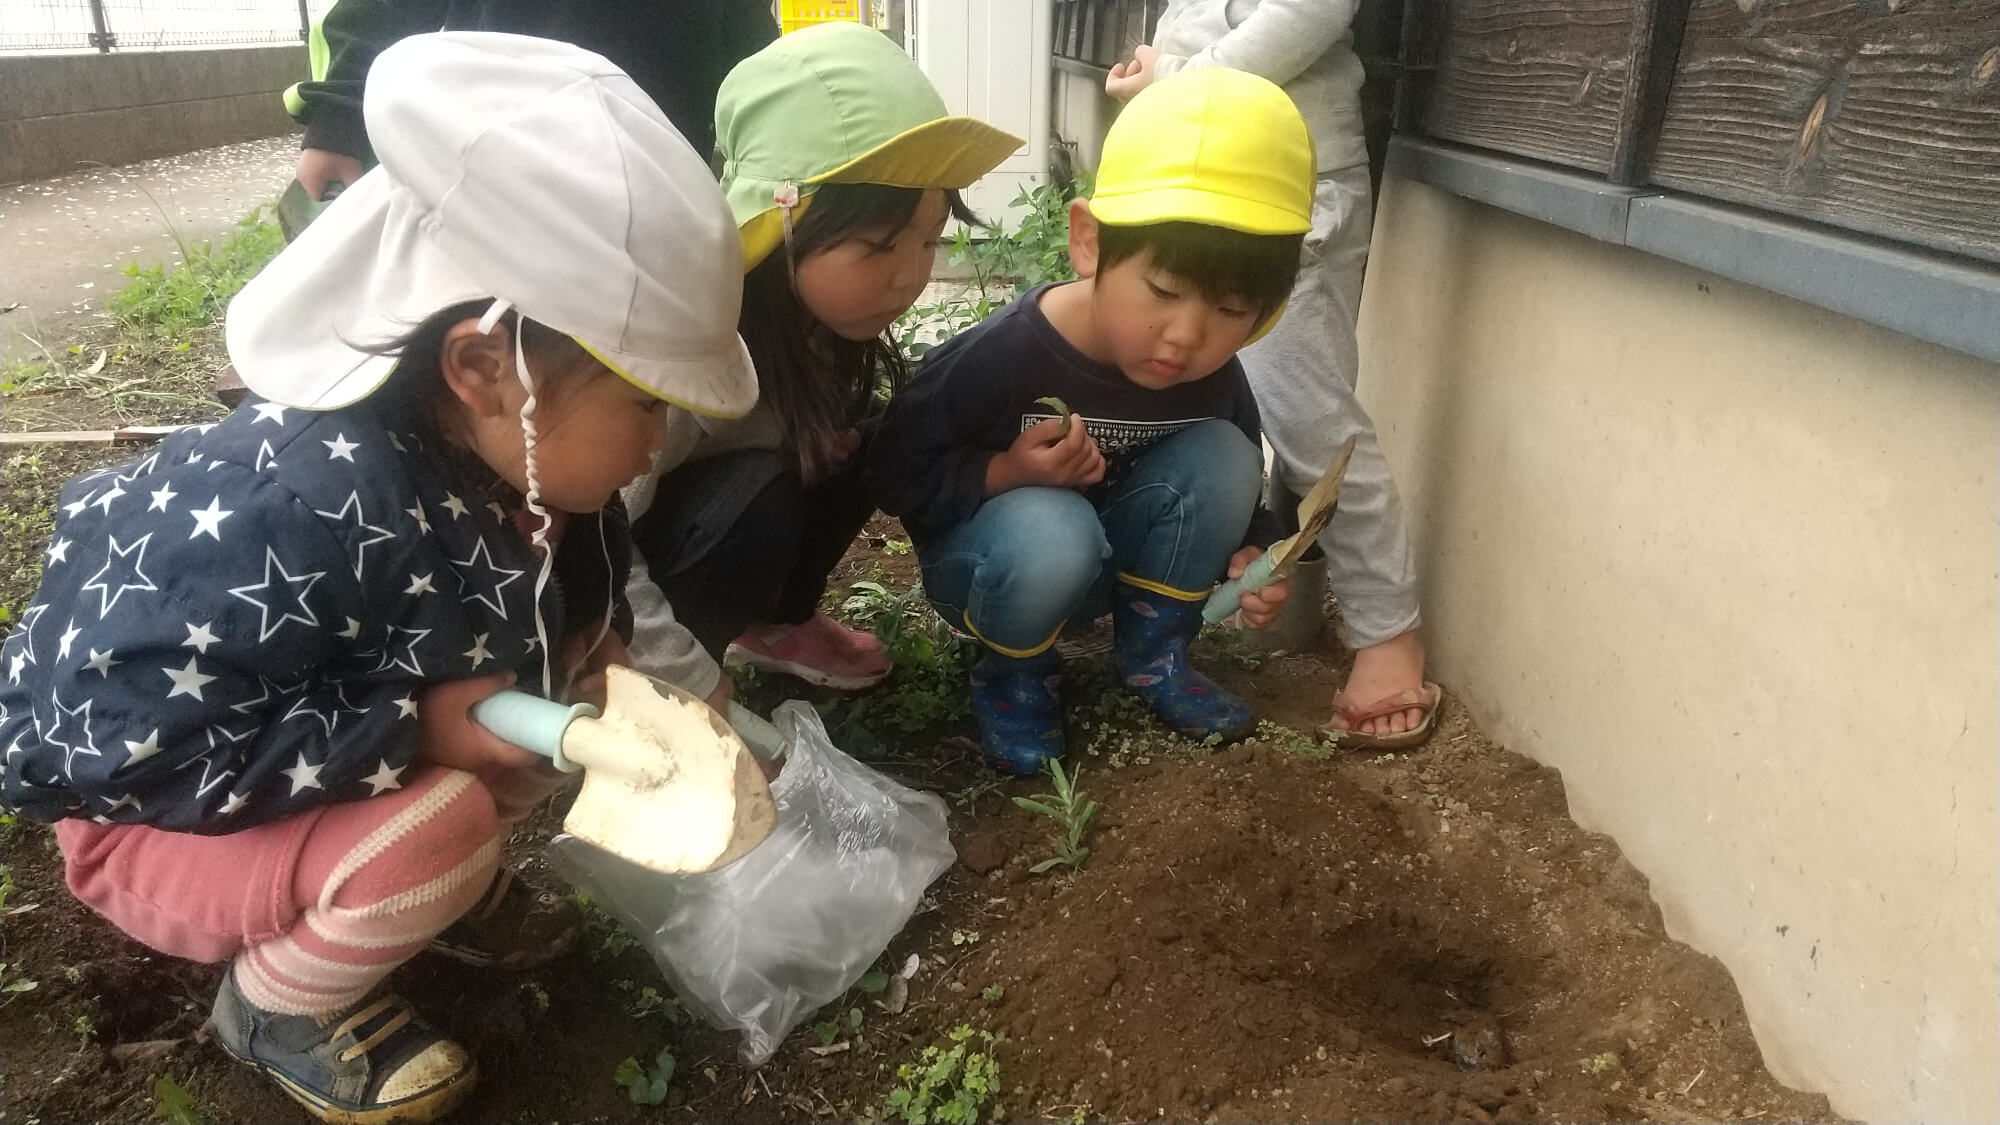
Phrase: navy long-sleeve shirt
(976, 393)
(240, 625)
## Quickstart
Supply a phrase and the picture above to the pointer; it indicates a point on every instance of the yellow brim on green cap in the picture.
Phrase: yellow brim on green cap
(946, 152)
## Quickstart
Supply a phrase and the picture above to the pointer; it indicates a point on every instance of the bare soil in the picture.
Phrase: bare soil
(1272, 933)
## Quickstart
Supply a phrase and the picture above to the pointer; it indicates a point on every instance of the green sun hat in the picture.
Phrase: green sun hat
(837, 103)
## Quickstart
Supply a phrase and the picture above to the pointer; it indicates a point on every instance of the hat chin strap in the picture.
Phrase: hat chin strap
(533, 498)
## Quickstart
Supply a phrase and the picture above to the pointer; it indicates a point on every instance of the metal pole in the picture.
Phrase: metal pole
(305, 23)
(102, 39)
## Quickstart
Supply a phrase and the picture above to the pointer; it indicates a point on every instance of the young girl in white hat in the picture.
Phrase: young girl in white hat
(842, 167)
(242, 690)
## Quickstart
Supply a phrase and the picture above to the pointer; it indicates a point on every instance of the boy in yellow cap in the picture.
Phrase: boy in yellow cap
(1094, 446)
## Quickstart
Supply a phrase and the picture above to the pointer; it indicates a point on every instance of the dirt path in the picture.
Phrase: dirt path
(65, 242)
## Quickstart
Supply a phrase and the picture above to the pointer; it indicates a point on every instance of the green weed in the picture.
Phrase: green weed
(874, 982)
(645, 1000)
(173, 1105)
(949, 1085)
(168, 302)
(1071, 809)
(1035, 251)
(646, 1085)
(927, 689)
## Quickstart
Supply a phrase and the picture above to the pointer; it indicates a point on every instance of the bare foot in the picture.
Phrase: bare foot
(1382, 671)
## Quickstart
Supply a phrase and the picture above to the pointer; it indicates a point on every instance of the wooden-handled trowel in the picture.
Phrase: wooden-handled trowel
(666, 783)
(1314, 513)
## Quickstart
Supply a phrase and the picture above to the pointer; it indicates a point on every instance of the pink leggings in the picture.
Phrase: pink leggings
(315, 909)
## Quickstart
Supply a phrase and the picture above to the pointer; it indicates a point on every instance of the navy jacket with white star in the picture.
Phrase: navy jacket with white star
(239, 626)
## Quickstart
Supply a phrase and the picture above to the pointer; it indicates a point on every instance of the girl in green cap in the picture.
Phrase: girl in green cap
(842, 167)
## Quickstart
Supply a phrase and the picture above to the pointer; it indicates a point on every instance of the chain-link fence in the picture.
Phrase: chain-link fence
(48, 26)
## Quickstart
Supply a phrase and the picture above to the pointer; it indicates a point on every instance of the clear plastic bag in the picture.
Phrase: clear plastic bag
(761, 944)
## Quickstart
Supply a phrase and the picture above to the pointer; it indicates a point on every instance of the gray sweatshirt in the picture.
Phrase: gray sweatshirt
(662, 646)
(1305, 46)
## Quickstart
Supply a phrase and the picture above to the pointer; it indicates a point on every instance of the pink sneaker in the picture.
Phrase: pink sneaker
(819, 651)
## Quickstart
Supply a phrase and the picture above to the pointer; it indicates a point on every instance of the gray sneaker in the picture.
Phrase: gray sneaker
(372, 1064)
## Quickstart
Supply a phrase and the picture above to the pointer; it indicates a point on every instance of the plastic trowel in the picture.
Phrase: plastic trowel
(1314, 512)
(666, 783)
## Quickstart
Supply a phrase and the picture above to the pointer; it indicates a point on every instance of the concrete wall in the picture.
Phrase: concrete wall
(1729, 562)
(58, 113)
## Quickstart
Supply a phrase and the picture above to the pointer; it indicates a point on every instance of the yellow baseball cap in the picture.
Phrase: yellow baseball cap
(1212, 146)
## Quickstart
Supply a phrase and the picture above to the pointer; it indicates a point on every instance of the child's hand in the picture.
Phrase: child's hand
(1128, 78)
(447, 734)
(1259, 607)
(1044, 455)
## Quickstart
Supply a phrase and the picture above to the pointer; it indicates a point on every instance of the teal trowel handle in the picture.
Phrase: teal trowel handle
(757, 732)
(531, 722)
(1227, 598)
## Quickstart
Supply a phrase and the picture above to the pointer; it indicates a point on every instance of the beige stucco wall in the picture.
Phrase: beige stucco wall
(1729, 562)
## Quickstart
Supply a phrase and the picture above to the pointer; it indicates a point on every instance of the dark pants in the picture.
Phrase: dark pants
(737, 540)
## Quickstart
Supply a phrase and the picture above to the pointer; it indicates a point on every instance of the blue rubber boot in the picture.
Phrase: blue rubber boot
(1018, 702)
(1153, 632)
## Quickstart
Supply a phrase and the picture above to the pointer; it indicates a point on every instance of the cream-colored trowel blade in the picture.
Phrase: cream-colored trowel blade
(666, 783)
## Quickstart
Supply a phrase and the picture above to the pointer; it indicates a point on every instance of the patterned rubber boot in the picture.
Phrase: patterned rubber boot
(1018, 702)
(1153, 631)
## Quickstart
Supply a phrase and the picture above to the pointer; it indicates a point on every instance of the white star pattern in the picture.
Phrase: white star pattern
(478, 652)
(383, 779)
(106, 597)
(365, 534)
(423, 521)
(340, 449)
(264, 696)
(68, 638)
(59, 551)
(105, 500)
(269, 412)
(218, 739)
(141, 468)
(396, 444)
(297, 586)
(208, 521)
(102, 662)
(199, 638)
(499, 513)
(408, 707)
(140, 751)
(482, 558)
(455, 506)
(88, 745)
(352, 632)
(421, 584)
(15, 665)
(188, 680)
(160, 497)
(303, 776)
(76, 507)
(265, 458)
(128, 801)
(300, 709)
(235, 801)
(409, 661)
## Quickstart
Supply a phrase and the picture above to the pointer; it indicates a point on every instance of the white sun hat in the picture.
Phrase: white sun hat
(518, 169)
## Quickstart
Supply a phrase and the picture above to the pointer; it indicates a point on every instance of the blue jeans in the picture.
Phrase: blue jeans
(1033, 559)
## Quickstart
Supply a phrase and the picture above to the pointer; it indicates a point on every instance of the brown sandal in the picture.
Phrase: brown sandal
(1430, 700)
